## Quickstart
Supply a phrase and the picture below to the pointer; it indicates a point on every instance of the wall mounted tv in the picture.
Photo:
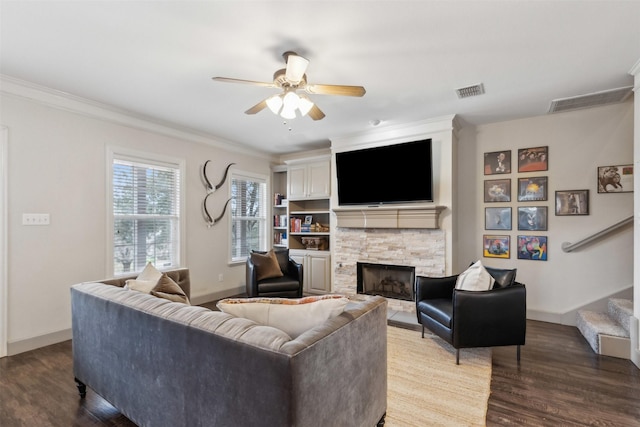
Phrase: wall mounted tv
(398, 173)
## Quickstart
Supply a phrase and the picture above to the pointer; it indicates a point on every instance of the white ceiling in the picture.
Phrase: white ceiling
(156, 58)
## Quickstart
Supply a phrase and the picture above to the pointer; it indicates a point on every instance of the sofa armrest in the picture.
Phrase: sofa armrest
(294, 270)
(490, 318)
(251, 279)
(434, 287)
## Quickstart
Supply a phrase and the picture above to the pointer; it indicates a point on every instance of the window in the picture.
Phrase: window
(146, 213)
(248, 215)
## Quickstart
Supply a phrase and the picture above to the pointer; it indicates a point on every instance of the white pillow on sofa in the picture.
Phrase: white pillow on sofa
(146, 280)
(475, 278)
(291, 315)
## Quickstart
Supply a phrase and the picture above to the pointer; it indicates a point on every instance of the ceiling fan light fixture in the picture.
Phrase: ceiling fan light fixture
(296, 66)
(288, 113)
(274, 103)
(304, 105)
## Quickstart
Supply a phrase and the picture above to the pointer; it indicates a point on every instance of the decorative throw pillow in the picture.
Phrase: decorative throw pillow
(475, 278)
(146, 280)
(293, 316)
(266, 265)
(168, 289)
(282, 256)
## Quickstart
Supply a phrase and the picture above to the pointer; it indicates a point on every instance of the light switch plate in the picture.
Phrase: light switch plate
(35, 219)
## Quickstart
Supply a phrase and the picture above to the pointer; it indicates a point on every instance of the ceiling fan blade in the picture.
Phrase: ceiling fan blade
(249, 82)
(335, 90)
(257, 108)
(315, 113)
(296, 67)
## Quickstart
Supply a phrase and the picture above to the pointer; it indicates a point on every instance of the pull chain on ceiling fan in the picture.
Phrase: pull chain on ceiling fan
(290, 80)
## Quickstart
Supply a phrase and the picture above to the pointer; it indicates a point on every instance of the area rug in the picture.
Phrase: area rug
(426, 387)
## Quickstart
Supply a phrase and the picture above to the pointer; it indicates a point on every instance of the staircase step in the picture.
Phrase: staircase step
(592, 324)
(621, 310)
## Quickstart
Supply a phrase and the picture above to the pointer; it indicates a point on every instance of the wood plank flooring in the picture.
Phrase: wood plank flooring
(560, 382)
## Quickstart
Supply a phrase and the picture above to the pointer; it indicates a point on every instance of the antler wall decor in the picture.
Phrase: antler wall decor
(211, 188)
(210, 221)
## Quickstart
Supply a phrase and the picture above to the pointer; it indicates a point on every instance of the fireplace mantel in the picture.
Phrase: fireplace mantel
(389, 217)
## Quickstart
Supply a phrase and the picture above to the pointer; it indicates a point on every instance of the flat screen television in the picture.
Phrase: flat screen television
(398, 173)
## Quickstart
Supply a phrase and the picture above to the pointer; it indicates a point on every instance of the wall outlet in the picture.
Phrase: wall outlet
(220, 277)
(35, 219)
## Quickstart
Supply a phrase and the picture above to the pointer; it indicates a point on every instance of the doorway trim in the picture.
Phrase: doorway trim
(4, 289)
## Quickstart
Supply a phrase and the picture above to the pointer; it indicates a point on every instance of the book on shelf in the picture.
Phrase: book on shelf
(279, 220)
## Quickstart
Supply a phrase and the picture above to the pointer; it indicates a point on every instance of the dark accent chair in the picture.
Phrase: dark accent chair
(468, 319)
(289, 285)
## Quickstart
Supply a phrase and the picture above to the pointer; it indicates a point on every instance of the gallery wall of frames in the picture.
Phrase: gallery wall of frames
(531, 215)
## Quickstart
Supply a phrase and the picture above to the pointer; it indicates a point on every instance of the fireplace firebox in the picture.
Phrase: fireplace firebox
(390, 281)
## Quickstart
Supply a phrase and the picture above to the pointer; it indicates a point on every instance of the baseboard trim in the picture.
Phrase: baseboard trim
(214, 296)
(29, 344)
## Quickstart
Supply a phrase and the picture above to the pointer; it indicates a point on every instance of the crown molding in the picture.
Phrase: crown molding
(86, 107)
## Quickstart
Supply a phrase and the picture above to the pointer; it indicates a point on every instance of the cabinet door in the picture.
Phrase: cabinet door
(319, 179)
(319, 273)
(296, 178)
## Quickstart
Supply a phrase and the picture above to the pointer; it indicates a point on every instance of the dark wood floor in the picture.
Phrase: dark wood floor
(559, 382)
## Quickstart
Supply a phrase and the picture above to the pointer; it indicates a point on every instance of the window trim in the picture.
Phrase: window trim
(116, 152)
(251, 175)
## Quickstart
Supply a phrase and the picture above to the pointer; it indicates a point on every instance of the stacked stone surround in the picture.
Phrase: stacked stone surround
(423, 249)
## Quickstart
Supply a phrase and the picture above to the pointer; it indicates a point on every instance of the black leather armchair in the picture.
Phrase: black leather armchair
(289, 285)
(467, 319)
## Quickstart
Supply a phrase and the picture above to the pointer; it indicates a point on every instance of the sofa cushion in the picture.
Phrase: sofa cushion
(266, 265)
(503, 277)
(475, 278)
(282, 255)
(146, 280)
(291, 315)
(168, 289)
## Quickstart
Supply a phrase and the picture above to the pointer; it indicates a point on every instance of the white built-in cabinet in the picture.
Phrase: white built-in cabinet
(309, 180)
(316, 269)
(306, 195)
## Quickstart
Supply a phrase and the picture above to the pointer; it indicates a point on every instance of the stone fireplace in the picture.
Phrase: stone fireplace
(390, 281)
(421, 249)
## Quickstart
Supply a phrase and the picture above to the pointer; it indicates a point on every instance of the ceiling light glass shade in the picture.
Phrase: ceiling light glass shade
(296, 66)
(288, 113)
(274, 103)
(290, 101)
(304, 104)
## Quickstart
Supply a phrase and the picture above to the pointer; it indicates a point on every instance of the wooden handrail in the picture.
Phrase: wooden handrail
(569, 247)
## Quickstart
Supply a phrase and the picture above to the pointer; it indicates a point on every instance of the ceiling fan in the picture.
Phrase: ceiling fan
(290, 80)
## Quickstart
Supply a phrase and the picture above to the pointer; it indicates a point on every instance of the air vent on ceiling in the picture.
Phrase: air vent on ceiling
(590, 100)
(474, 90)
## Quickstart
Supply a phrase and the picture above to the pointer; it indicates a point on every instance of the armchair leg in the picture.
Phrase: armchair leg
(422, 331)
(457, 356)
(518, 354)
(82, 388)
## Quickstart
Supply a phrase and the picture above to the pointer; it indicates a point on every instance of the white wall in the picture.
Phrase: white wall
(58, 166)
(578, 142)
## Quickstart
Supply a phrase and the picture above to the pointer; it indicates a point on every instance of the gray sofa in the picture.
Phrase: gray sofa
(163, 363)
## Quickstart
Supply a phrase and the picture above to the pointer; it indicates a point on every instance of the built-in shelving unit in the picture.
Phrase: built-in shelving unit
(280, 223)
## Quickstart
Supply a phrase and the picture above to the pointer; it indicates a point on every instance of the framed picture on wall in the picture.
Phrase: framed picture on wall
(532, 218)
(497, 162)
(497, 218)
(615, 179)
(494, 246)
(497, 190)
(533, 159)
(572, 202)
(532, 247)
(532, 189)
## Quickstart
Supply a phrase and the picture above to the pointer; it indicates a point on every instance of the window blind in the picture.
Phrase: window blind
(146, 215)
(248, 215)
